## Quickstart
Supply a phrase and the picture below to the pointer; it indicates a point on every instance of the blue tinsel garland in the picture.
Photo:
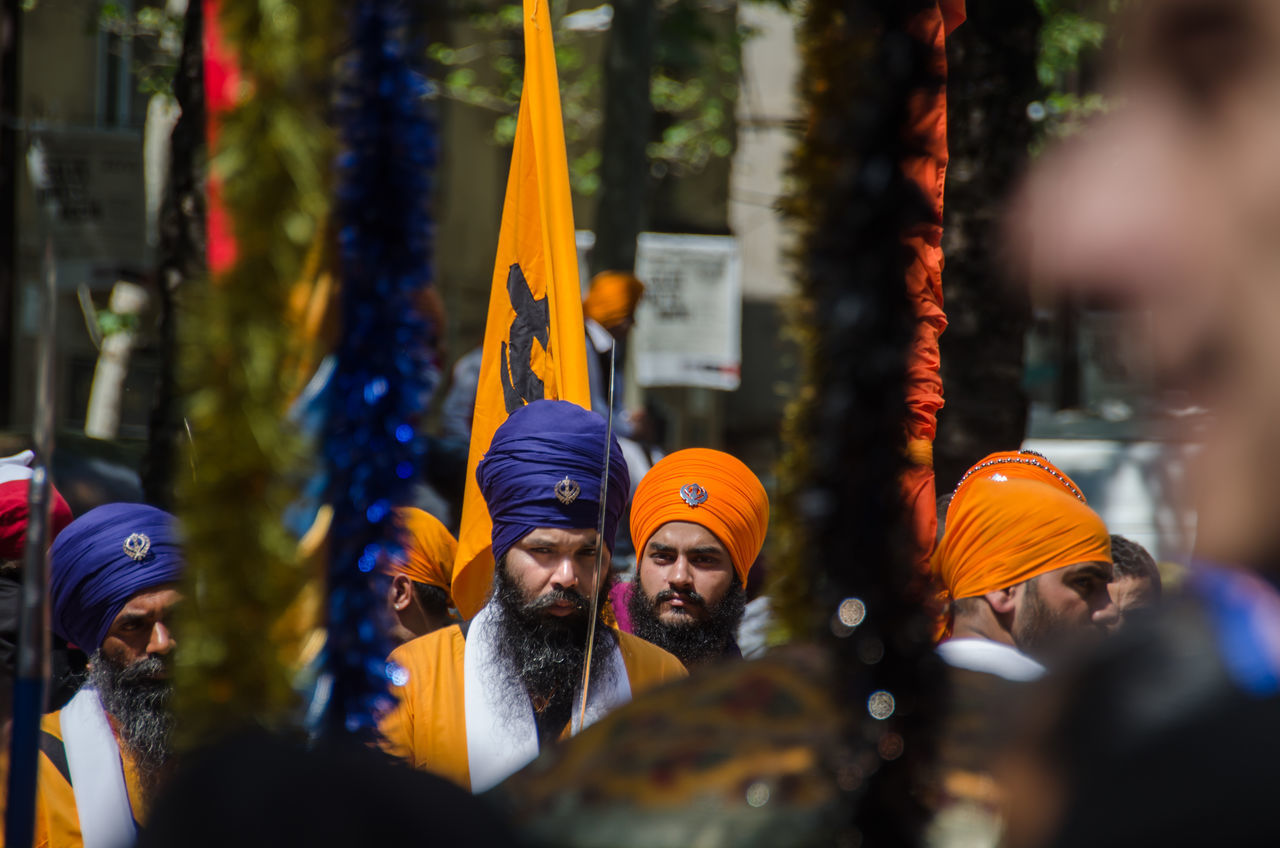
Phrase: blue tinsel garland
(373, 452)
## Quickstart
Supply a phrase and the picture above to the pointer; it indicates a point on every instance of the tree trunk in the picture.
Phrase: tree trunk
(628, 116)
(180, 257)
(992, 78)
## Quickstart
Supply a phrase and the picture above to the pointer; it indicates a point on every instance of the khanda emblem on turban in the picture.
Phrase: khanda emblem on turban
(567, 491)
(137, 546)
(520, 385)
(693, 494)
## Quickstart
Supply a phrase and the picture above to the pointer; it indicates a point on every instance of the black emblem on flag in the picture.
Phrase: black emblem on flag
(533, 321)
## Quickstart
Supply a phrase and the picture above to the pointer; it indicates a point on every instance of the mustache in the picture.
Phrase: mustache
(557, 596)
(689, 597)
(147, 671)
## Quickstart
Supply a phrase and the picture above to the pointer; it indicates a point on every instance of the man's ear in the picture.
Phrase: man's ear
(1003, 601)
(401, 592)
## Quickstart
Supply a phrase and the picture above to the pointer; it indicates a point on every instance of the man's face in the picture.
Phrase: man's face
(143, 628)
(550, 560)
(685, 572)
(131, 670)
(1063, 608)
(1131, 594)
(1169, 206)
(541, 592)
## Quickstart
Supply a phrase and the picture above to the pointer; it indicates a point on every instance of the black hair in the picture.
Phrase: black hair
(433, 600)
(1134, 561)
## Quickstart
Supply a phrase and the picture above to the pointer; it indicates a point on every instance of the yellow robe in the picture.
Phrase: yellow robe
(428, 729)
(57, 822)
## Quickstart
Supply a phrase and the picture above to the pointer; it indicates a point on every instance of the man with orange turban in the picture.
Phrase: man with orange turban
(698, 519)
(608, 313)
(1023, 565)
(419, 592)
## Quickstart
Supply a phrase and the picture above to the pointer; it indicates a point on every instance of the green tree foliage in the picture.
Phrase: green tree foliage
(694, 82)
(156, 35)
(1070, 45)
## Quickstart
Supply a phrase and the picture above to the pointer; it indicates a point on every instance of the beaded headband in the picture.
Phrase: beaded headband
(1025, 457)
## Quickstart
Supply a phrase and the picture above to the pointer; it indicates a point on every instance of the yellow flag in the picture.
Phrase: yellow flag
(534, 343)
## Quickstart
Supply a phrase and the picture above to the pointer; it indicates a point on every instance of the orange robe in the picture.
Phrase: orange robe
(428, 729)
(57, 822)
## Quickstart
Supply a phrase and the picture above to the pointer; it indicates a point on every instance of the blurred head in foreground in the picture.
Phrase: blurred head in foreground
(1169, 206)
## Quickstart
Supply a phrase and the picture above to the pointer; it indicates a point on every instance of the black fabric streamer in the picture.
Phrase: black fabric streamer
(847, 534)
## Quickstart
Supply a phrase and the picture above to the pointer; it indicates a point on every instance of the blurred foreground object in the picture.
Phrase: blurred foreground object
(744, 755)
(1169, 206)
(260, 791)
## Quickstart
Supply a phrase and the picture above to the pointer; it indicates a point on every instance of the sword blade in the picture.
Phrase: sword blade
(599, 567)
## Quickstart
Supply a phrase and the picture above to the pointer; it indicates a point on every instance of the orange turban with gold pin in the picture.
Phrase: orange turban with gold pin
(1014, 516)
(612, 297)
(709, 488)
(429, 548)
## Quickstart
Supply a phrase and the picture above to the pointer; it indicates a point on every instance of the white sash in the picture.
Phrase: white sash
(97, 774)
(502, 738)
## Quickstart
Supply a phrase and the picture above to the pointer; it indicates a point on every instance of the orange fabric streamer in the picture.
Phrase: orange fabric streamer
(1002, 531)
(927, 132)
(612, 297)
(709, 488)
(429, 548)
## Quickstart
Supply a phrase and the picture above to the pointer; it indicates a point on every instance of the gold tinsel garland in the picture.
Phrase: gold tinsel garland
(272, 158)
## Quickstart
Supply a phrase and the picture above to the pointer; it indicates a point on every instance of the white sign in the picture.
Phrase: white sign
(688, 329)
(95, 179)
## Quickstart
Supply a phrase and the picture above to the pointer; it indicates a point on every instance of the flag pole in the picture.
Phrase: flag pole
(33, 623)
(599, 568)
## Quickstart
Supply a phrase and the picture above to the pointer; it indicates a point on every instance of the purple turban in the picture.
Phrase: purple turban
(104, 558)
(543, 470)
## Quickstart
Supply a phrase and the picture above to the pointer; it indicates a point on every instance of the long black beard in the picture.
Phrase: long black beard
(139, 701)
(546, 652)
(692, 642)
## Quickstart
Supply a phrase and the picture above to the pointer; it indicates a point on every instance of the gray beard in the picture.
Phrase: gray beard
(139, 702)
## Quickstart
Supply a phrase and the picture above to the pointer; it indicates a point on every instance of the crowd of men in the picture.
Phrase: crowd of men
(1157, 730)
(1024, 565)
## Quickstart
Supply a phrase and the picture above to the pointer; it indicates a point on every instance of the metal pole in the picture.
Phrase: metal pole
(29, 690)
(33, 624)
(599, 569)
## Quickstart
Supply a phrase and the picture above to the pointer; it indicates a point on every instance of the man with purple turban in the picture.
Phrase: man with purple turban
(479, 700)
(113, 587)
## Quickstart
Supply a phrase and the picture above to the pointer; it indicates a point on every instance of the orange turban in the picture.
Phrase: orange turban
(612, 297)
(709, 488)
(428, 548)
(1014, 516)
(1023, 465)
